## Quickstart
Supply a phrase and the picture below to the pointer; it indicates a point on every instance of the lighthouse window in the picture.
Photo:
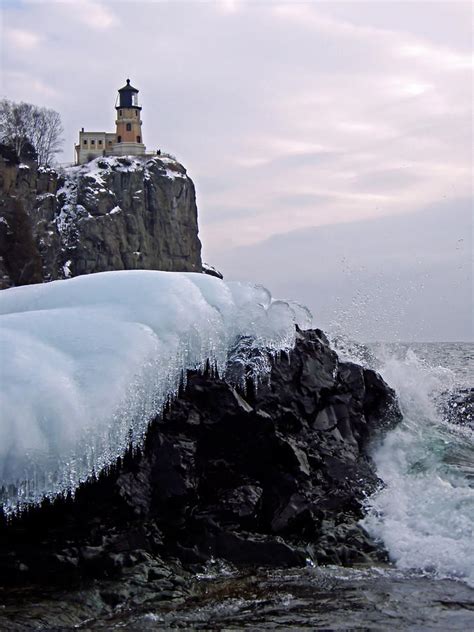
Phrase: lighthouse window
(135, 99)
(129, 127)
(100, 142)
(92, 142)
(119, 139)
(84, 142)
(139, 140)
(120, 112)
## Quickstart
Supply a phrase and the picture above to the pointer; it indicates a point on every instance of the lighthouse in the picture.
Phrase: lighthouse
(127, 139)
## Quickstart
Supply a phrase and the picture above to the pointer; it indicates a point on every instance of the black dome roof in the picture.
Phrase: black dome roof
(128, 88)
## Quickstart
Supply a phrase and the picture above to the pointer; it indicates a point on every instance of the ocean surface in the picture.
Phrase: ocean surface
(424, 515)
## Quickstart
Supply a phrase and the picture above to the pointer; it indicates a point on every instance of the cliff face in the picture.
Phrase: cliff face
(126, 214)
(29, 242)
(110, 214)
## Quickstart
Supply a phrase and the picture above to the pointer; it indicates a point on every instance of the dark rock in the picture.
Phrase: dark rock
(207, 269)
(255, 549)
(272, 476)
(241, 502)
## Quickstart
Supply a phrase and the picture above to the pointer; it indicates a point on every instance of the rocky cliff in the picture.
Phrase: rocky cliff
(110, 214)
(274, 475)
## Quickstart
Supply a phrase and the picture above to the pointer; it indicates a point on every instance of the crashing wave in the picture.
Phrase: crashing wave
(424, 513)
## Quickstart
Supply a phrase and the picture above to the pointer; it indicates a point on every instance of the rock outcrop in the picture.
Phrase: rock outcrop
(110, 214)
(273, 475)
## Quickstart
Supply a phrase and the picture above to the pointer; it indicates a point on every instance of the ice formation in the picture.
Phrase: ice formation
(88, 362)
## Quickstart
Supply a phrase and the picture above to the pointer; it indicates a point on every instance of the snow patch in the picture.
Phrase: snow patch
(173, 175)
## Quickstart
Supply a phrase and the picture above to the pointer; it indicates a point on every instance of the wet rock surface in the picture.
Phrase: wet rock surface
(267, 476)
(324, 598)
(111, 214)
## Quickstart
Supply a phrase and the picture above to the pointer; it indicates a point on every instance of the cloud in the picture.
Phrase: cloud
(310, 17)
(407, 87)
(96, 15)
(229, 6)
(27, 85)
(22, 39)
(442, 58)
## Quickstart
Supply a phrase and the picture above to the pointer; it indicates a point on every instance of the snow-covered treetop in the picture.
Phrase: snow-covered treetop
(89, 361)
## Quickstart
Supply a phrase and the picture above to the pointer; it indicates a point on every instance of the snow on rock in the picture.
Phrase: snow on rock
(67, 269)
(91, 178)
(91, 360)
(71, 211)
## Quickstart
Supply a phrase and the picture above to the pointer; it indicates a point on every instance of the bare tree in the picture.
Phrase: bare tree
(46, 134)
(23, 123)
(15, 121)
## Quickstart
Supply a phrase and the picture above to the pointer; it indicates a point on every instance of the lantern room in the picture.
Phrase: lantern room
(128, 97)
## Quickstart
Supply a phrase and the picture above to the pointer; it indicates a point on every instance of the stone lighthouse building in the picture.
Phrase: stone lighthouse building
(127, 139)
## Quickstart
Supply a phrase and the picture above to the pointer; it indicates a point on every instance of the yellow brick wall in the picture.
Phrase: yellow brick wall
(132, 117)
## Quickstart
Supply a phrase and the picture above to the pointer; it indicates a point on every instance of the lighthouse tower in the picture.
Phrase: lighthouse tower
(128, 139)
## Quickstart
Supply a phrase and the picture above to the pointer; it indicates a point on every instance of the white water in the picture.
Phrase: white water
(88, 362)
(425, 513)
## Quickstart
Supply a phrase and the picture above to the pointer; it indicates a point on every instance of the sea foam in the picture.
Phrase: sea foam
(424, 513)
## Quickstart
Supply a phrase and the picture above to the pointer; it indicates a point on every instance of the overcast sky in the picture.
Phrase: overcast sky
(289, 117)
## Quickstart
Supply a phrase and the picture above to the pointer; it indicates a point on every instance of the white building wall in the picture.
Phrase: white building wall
(94, 144)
